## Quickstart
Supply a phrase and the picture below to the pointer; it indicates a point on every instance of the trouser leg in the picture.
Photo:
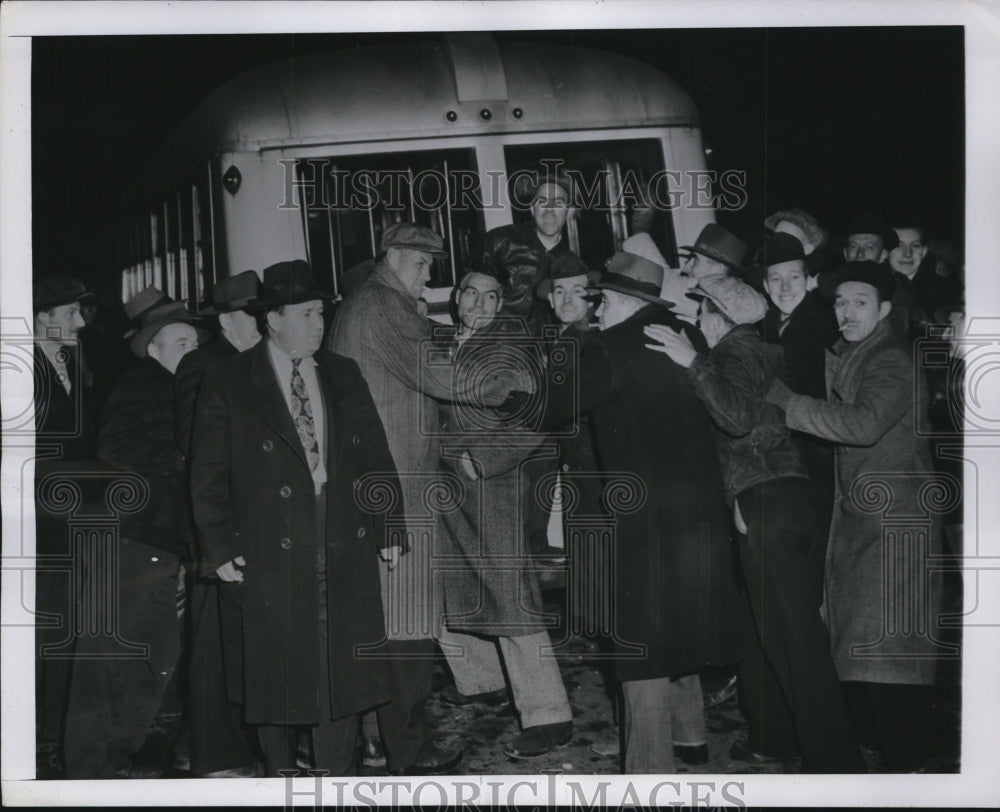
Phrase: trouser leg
(903, 718)
(218, 740)
(535, 681)
(474, 661)
(688, 711)
(334, 740)
(401, 720)
(649, 747)
(792, 635)
(279, 744)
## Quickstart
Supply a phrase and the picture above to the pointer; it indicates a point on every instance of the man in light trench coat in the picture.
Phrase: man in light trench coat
(381, 326)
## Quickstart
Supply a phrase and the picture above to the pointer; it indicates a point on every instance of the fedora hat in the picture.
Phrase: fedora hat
(233, 293)
(566, 266)
(634, 276)
(879, 276)
(150, 320)
(288, 283)
(53, 291)
(868, 222)
(777, 249)
(723, 246)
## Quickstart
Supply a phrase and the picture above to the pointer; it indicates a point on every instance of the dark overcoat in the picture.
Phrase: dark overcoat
(675, 579)
(883, 478)
(253, 496)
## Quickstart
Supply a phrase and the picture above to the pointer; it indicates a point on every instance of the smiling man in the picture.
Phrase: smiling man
(869, 415)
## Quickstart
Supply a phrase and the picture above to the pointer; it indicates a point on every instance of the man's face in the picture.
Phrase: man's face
(615, 308)
(412, 268)
(907, 256)
(858, 310)
(297, 328)
(698, 266)
(171, 343)
(787, 283)
(242, 328)
(567, 298)
(864, 247)
(61, 324)
(479, 299)
(550, 208)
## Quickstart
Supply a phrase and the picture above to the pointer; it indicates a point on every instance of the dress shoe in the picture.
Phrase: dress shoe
(720, 695)
(494, 699)
(742, 751)
(432, 760)
(539, 740)
(246, 771)
(691, 753)
(372, 752)
(139, 771)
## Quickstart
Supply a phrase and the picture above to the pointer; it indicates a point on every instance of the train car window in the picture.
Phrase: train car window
(351, 200)
(614, 178)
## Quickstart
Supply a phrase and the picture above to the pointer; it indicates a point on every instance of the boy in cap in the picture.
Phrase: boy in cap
(113, 702)
(793, 700)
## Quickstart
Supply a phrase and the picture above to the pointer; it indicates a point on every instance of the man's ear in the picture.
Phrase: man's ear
(883, 310)
(882, 256)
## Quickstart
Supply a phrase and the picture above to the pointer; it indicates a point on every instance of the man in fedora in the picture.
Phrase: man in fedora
(675, 591)
(716, 251)
(218, 745)
(66, 423)
(523, 251)
(381, 326)
(113, 702)
(284, 437)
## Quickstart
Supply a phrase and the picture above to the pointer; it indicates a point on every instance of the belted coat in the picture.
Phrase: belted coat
(253, 495)
(381, 327)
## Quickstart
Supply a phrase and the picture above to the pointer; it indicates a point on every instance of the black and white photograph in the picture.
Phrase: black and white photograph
(510, 403)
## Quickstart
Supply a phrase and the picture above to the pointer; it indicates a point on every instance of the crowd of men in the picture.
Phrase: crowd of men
(326, 510)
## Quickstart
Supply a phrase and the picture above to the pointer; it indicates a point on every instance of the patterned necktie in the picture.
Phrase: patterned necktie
(302, 415)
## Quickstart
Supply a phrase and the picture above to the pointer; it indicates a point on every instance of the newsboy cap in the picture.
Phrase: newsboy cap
(290, 282)
(412, 236)
(53, 291)
(734, 297)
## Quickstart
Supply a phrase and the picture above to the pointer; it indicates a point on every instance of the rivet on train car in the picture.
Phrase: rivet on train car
(485, 114)
(517, 112)
(451, 115)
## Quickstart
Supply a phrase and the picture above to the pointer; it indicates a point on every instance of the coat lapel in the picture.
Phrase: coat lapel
(266, 400)
(336, 408)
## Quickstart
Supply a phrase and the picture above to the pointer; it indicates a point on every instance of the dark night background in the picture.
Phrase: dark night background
(828, 119)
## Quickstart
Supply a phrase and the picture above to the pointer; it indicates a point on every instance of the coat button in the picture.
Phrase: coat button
(356, 440)
(565, 466)
(361, 532)
(285, 491)
(286, 544)
(267, 445)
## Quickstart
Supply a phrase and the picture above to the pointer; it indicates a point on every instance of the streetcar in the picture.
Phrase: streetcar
(314, 157)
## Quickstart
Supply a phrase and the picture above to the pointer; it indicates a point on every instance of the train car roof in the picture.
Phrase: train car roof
(329, 98)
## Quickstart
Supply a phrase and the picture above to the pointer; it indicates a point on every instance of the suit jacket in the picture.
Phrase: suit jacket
(253, 496)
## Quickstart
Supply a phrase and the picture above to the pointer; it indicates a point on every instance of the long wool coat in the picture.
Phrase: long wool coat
(881, 468)
(674, 583)
(380, 326)
(489, 585)
(253, 495)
